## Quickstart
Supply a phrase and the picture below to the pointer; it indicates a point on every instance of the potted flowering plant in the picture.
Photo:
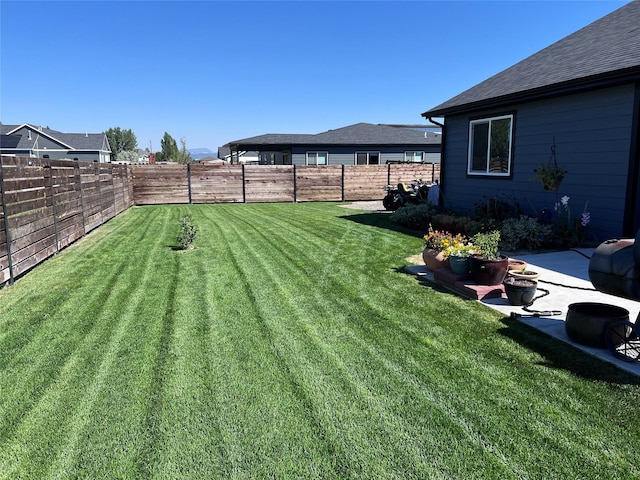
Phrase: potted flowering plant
(459, 256)
(550, 175)
(436, 243)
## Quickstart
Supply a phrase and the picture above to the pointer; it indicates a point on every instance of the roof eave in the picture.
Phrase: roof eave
(620, 77)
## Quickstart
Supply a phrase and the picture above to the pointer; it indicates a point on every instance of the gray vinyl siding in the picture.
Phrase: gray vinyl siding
(299, 158)
(593, 138)
(392, 157)
(432, 157)
(347, 155)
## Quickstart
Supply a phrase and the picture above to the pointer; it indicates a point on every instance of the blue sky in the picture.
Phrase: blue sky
(213, 71)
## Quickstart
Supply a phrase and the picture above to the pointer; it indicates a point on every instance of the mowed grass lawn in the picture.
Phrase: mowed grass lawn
(287, 344)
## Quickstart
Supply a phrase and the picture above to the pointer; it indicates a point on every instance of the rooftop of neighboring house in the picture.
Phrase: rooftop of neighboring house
(11, 138)
(358, 134)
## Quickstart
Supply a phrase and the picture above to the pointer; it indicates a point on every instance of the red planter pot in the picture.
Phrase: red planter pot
(489, 272)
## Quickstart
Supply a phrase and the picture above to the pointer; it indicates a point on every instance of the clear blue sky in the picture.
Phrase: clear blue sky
(212, 71)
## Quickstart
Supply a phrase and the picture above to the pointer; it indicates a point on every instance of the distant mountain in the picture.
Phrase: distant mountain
(198, 153)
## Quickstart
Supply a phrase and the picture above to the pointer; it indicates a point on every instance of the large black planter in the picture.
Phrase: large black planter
(489, 272)
(587, 322)
(520, 291)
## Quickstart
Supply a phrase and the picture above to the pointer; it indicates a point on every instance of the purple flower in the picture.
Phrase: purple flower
(585, 218)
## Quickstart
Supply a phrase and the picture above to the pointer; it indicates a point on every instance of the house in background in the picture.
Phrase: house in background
(37, 142)
(580, 95)
(248, 158)
(359, 144)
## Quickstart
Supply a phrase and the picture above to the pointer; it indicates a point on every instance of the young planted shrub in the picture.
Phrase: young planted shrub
(188, 233)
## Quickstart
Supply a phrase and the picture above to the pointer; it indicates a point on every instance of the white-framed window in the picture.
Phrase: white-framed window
(317, 158)
(417, 157)
(490, 141)
(367, 158)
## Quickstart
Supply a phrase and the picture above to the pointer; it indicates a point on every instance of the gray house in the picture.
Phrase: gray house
(580, 96)
(37, 142)
(359, 144)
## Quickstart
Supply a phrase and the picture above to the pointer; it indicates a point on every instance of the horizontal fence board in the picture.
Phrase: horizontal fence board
(365, 182)
(159, 184)
(269, 183)
(216, 183)
(46, 202)
(319, 183)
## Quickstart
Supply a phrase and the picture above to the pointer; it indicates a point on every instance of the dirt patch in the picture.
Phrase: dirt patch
(372, 205)
(416, 259)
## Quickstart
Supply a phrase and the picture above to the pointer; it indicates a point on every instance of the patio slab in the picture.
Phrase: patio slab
(565, 275)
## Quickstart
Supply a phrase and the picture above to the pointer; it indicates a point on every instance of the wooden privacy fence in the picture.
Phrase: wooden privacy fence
(206, 183)
(47, 204)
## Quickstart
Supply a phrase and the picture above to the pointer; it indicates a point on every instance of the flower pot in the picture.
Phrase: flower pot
(460, 265)
(515, 264)
(587, 322)
(526, 274)
(520, 291)
(489, 272)
(434, 259)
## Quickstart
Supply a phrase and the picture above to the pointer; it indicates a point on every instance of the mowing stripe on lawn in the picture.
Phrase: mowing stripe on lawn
(287, 344)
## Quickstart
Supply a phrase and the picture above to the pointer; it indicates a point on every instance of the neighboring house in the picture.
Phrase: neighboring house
(224, 153)
(583, 93)
(359, 144)
(37, 142)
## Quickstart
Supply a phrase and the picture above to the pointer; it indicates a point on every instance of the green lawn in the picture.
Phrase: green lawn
(288, 344)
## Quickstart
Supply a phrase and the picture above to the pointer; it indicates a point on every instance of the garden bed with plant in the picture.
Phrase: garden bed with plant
(287, 343)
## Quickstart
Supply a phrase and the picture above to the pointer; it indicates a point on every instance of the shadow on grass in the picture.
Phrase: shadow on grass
(559, 355)
(380, 220)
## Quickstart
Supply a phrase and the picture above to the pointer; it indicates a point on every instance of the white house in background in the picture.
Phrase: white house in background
(37, 142)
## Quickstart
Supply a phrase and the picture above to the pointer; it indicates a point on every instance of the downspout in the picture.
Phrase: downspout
(441, 125)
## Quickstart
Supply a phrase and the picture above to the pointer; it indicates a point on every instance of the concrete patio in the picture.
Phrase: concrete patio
(565, 275)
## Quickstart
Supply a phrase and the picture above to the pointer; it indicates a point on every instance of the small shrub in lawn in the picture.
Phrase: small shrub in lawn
(188, 233)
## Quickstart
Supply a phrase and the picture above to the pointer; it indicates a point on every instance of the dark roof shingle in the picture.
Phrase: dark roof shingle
(358, 134)
(606, 49)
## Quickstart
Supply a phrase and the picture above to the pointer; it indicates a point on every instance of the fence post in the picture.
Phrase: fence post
(189, 181)
(78, 178)
(295, 185)
(113, 191)
(244, 188)
(7, 233)
(342, 184)
(53, 205)
(388, 174)
(99, 191)
(124, 178)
